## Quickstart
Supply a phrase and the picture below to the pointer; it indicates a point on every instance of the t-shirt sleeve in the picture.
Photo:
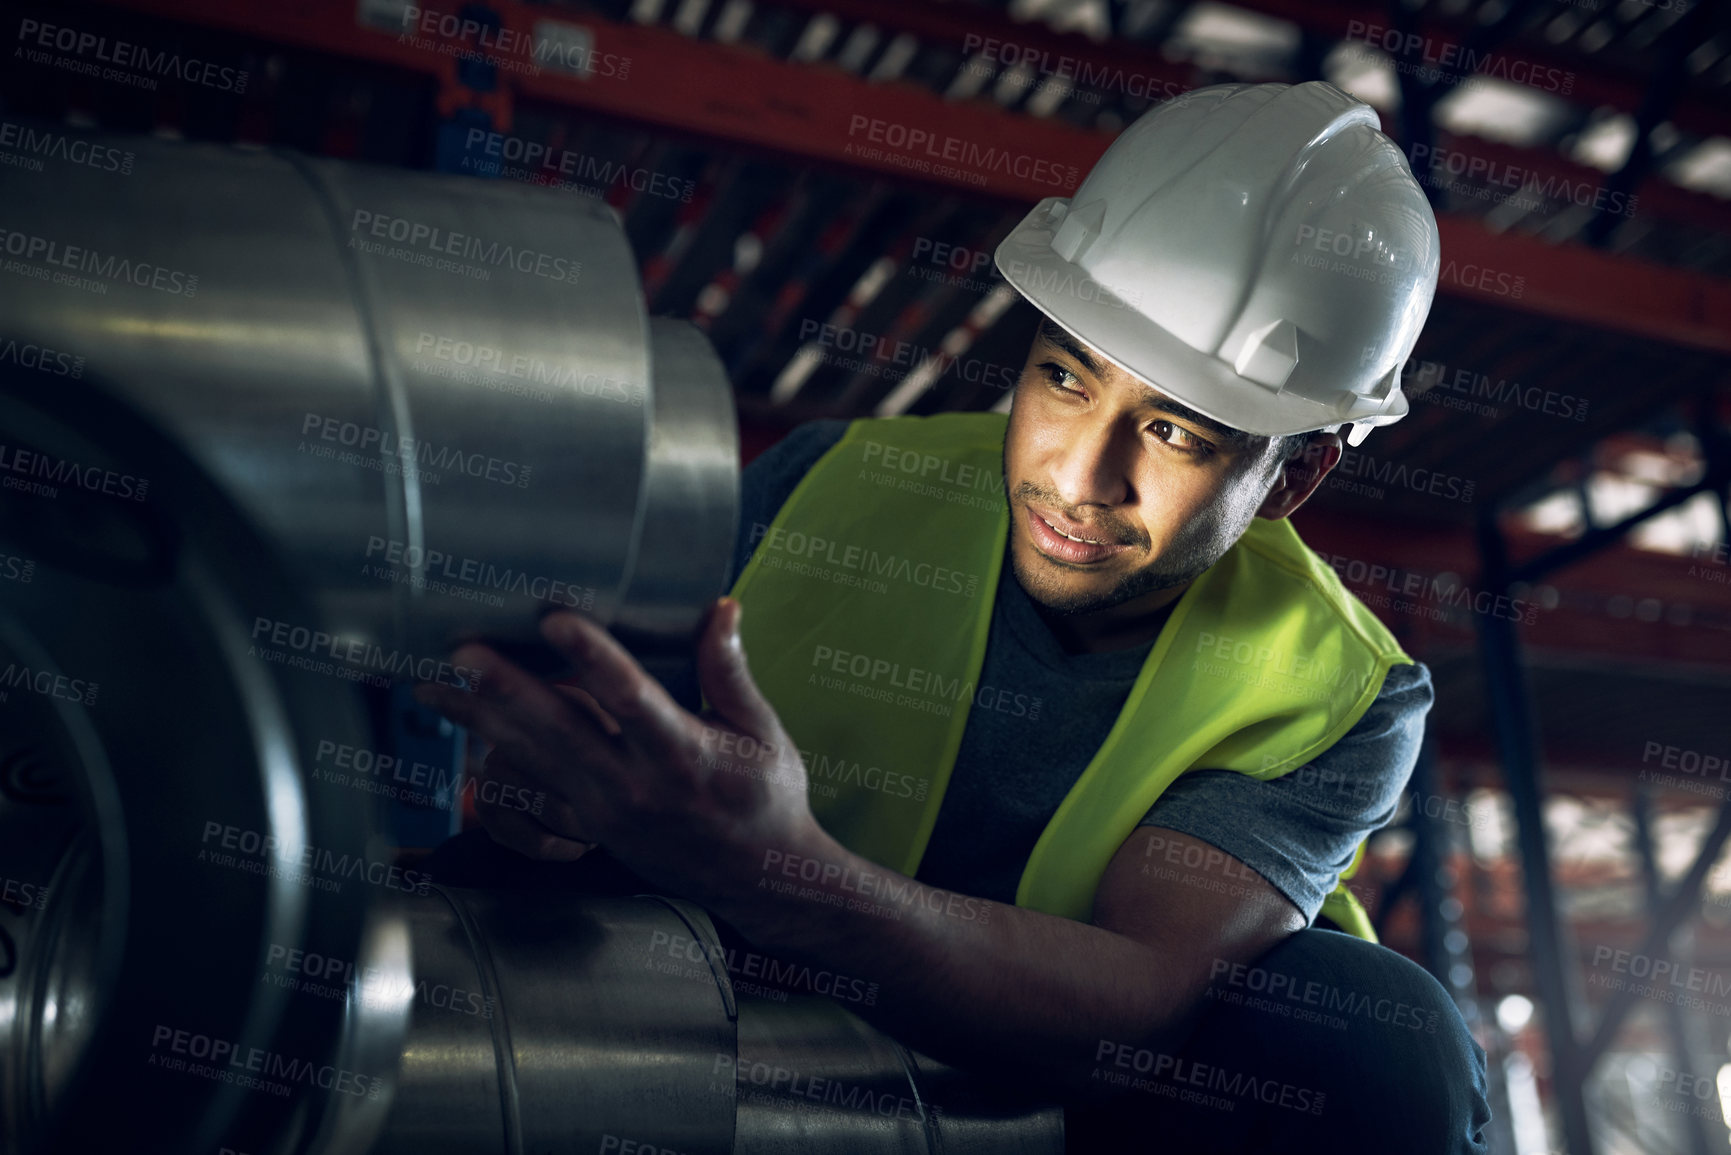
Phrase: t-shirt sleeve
(1299, 831)
(770, 479)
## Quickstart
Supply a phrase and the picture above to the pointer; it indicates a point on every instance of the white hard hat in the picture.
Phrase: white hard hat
(1260, 253)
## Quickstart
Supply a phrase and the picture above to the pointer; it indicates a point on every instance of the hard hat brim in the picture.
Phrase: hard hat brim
(1108, 322)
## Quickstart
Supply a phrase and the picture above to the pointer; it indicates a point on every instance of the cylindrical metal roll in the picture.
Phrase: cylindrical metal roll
(812, 1076)
(549, 1022)
(271, 427)
(156, 802)
(434, 392)
(556, 1021)
(691, 486)
(290, 426)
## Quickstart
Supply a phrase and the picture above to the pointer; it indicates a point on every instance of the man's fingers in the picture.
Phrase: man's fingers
(587, 701)
(515, 792)
(520, 832)
(519, 712)
(726, 678)
(646, 714)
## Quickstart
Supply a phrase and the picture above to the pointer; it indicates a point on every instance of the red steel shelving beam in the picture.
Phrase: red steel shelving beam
(656, 76)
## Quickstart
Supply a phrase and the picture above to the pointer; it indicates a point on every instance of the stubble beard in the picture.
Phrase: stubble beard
(1041, 583)
(1187, 560)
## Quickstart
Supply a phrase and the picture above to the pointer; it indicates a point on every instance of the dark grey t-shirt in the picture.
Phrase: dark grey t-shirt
(1040, 715)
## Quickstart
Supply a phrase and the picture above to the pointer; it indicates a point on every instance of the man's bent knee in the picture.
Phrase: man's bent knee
(1396, 1042)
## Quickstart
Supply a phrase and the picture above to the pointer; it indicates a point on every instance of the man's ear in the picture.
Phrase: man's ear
(1299, 475)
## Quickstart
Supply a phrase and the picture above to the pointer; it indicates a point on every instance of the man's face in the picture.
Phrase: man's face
(1097, 453)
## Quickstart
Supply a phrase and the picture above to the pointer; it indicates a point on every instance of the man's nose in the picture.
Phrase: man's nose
(1094, 468)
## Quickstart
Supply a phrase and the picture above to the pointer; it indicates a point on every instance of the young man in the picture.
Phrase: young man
(1050, 725)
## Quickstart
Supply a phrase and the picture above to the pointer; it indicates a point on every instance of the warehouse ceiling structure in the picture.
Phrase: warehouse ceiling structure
(819, 186)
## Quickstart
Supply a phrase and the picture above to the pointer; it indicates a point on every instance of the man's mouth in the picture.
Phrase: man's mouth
(1073, 537)
(1059, 538)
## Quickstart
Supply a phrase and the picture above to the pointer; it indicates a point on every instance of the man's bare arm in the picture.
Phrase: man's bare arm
(983, 985)
(623, 765)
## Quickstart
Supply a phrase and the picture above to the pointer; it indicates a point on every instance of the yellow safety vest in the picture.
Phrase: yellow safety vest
(867, 605)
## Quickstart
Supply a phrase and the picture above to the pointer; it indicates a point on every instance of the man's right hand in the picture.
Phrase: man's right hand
(553, 835)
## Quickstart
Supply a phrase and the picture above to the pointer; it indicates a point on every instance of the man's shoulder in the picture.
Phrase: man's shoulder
(1313, 576)
(966, 428)
(920, 447)
(1300, 830)
(800, 447)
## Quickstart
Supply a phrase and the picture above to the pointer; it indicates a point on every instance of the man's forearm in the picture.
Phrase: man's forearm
(971, 982)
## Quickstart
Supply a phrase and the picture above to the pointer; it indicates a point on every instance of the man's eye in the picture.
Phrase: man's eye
(1177, 436)
(1061, 377)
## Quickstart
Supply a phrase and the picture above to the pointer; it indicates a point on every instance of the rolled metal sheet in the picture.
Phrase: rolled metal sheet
(152, 764)
(557, 1021)
(812, 1076)
(691, 505)
(386, 410)
(542, 1024)
(434, 392)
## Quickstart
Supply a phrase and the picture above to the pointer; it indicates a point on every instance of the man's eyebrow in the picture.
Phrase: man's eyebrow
(1056, 336)
(1163, 404)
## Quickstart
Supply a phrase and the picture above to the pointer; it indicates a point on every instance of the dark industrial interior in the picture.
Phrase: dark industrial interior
(1547, 530)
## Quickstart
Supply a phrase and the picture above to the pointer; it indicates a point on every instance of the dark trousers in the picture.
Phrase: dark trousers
(1327, 1043)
